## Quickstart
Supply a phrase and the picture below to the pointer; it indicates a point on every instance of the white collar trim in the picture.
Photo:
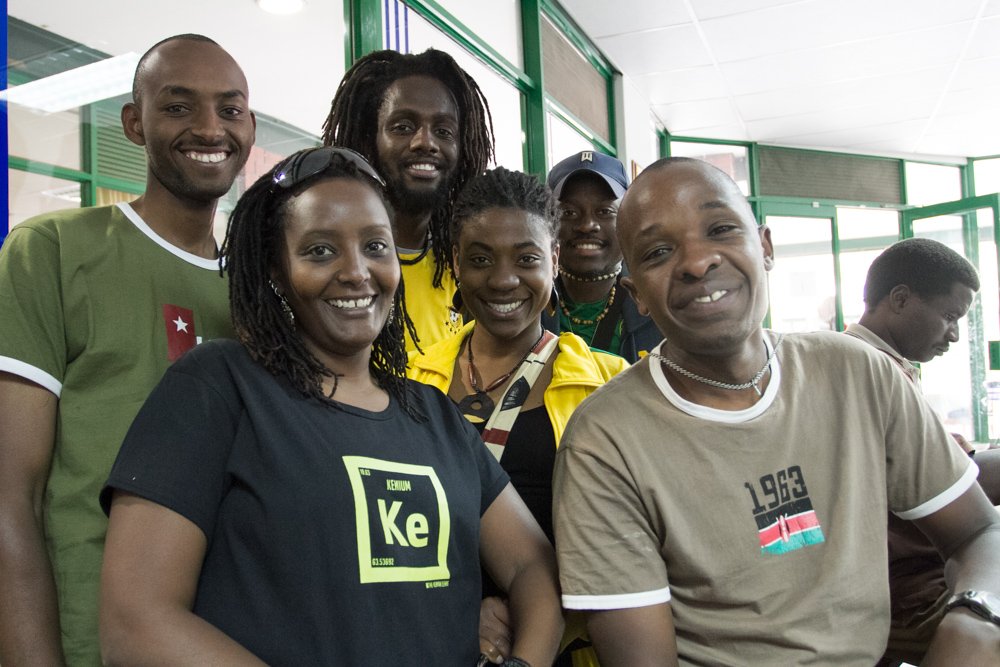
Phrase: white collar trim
(201, 262)
(715, 414)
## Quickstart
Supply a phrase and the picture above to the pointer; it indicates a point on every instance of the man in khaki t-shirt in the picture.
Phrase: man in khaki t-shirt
(723, 501)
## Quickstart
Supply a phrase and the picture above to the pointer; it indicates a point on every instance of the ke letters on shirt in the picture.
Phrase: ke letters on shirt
(402, 519)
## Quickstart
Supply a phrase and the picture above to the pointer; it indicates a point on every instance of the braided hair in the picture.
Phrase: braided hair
(252, 247)
(503, 188)
(353, 122)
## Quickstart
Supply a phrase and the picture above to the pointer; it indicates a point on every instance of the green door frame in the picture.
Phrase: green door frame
(763, 209)
(966, 208)
(363, 19)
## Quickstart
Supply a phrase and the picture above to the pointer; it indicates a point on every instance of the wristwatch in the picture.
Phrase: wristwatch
(980, 603)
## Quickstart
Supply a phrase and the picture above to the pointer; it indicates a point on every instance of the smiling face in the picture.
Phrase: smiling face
(926, 326)
(505, 260)
(418, 142)
(193, 118)
(588, 213)
(697, 259)
(338, 268)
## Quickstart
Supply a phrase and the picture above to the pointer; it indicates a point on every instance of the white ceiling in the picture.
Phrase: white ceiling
(913, 77)
(875, 76)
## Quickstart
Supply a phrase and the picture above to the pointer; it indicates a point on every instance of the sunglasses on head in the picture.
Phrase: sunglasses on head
(304, 165)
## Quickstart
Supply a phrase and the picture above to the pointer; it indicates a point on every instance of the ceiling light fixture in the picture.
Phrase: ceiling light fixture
(281, 6)
(76, 87)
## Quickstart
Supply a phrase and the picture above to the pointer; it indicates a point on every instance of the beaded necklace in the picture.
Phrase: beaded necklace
(585, 322)
(591, 279)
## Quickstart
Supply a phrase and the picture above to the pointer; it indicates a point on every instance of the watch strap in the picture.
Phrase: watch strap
(983, 604)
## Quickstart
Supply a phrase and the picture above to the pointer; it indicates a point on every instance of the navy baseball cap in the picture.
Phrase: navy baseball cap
(607, 167)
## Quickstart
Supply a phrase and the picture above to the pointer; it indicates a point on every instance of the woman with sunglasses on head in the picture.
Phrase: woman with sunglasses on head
(515, 381)
(292, 499)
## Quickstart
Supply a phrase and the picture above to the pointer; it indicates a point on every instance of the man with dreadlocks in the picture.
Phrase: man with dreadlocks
(426, 126)
(97, 303)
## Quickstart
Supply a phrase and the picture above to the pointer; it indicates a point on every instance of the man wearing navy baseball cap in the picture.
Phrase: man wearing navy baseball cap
(593, 305)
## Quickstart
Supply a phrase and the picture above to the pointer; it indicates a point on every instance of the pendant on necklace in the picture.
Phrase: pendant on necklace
(479, 406)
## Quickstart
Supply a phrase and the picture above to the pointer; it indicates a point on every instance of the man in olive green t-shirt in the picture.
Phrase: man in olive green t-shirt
(97, 303)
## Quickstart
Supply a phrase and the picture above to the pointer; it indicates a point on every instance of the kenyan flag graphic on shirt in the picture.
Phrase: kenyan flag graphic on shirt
(790, 526)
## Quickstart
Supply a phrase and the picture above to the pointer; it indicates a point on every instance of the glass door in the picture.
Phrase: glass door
(803, 285)
(960, 386)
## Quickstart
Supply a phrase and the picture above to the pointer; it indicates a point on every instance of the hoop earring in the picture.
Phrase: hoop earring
(285, 308)
(456, 299)
(553, 306)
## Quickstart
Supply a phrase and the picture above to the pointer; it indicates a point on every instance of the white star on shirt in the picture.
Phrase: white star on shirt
(181, 324)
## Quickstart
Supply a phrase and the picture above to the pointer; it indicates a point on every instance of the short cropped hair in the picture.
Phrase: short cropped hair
(140, 68)
(928, 267)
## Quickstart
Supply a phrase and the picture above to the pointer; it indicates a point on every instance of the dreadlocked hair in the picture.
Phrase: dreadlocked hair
(353, 122)
(252, 246)
(503, 188)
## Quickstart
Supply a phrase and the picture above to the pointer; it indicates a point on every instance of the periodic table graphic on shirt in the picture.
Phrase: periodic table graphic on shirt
(402, 519)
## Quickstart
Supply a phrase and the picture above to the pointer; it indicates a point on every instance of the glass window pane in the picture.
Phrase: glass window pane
(864, 233)
(563, 140)
(987, 176)
(854, 267)
(989, 287)
(931, 183)
(947, 381)
(730, 159)
(52, 138)
(801, 284)
(497, 23)
(863, 223)
(65, 43)
(34, 194)
(504, 99)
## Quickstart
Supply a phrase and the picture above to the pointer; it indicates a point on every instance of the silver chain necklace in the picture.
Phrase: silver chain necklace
(754, 381)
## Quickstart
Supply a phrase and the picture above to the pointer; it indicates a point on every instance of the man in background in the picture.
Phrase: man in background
(592, 302)
(97, 303)
(915, 294)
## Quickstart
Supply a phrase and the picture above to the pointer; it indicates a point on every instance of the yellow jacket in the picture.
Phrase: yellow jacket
(576, 373)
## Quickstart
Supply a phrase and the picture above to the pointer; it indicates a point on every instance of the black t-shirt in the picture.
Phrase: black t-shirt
(335, 535)
(529, 457)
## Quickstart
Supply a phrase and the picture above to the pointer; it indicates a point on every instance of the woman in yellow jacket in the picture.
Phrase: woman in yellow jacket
(515, 381)
(576, 372)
